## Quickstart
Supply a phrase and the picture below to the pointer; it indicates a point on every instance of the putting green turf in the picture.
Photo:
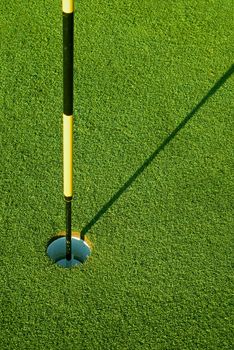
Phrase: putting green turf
(153, 193)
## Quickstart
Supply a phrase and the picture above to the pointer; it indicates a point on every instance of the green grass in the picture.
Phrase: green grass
(152, 176)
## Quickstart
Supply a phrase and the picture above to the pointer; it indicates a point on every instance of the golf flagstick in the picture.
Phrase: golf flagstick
(70, 249)
(68, 29)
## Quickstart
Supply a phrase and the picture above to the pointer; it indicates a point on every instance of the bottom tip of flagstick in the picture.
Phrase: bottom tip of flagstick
(80, 250)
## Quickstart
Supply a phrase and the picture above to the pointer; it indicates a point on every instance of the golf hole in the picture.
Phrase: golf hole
(56, 250)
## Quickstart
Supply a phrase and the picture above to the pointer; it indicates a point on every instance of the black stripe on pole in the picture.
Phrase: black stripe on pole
(68, 37)
(68, 231)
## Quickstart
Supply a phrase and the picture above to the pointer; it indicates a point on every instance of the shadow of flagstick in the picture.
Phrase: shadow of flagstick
(147, 162)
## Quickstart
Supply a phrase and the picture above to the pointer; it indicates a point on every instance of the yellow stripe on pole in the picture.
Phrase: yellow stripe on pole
(68, 6)
(67, 154)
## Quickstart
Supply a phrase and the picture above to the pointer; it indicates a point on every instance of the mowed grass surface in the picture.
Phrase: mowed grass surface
(160, 217)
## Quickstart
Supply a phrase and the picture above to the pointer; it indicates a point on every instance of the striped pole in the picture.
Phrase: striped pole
(68, 28)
